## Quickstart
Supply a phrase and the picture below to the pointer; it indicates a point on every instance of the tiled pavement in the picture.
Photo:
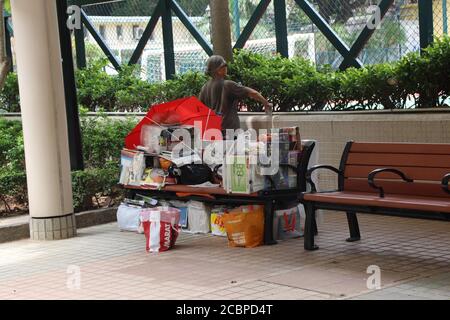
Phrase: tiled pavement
(413, 256)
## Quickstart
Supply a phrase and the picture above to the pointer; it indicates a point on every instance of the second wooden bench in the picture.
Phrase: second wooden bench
(400, 179)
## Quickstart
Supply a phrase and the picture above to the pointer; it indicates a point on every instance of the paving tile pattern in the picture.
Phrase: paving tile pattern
(104, 263)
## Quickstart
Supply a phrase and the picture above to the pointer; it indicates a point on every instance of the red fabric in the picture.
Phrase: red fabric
(167, 235)
(183, 111)
(161, 228)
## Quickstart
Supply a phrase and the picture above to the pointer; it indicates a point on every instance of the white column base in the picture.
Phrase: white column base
(56, 228)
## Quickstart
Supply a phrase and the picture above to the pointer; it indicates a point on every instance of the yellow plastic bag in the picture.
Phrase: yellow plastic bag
(245, 226)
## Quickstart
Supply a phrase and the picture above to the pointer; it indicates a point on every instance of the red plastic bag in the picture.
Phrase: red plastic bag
(160, 228)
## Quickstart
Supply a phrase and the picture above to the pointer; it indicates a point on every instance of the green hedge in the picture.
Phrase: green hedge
(126, 92)
(296, 84)
(92, 184)
(87, 186)
(291, 84)
(103, 139)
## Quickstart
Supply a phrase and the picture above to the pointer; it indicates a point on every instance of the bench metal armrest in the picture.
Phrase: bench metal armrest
(445, 181)
(312, 169)
(372, 175)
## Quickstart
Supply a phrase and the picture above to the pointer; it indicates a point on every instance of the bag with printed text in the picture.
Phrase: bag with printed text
(161, 228)
(245, 226)
(287, 224)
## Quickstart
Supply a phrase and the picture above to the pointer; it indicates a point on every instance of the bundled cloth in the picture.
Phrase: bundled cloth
(161, 228)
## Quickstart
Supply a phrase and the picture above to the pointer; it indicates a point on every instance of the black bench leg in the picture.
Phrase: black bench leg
(269, 208)
(353, 227)
(316, 232)
(310, 222)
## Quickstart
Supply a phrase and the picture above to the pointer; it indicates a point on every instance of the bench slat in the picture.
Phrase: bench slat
(396, 187)
(395, 159)
(408, 148)
(391, 201)
(416, 173)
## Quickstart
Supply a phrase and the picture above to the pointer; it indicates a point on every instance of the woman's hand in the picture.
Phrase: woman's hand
(255, 95)
(268, 108)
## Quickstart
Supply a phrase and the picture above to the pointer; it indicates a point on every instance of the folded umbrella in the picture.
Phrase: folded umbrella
(185, 111)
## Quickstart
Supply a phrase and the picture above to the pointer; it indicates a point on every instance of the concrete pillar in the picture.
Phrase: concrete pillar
(44, 119)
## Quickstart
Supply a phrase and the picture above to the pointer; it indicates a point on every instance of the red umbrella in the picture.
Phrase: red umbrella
(185, 111)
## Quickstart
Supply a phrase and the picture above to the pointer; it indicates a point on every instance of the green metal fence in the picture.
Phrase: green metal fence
(167, 37)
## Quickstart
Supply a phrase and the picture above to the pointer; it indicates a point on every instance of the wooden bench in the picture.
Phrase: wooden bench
(399, 179)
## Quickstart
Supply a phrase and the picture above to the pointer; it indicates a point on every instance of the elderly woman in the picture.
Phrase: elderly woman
(223, 95)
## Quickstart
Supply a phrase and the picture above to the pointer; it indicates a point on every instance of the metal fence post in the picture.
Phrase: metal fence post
(425, 23)
(70, 90)
(329, 33)
(444, 17)
(251, 24)
(201, 40)
(149, 29)
(281, 27)
(426, 38)
(365, 35)
(8, 42)
(169, 55)
(80, 47)
(100, 41)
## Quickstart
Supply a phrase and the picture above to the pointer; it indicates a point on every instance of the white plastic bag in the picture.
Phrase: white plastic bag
(128, 218)
(198, 217)
(287, 224)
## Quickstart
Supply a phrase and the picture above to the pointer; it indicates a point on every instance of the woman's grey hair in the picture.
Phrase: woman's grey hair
(214, 63)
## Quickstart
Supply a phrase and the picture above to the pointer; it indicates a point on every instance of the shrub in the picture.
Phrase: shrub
(433, 72)
(95, 88)
(310, 93)
(9, 95)
(103, 138)
(12, 156)
(184, 85)
(13, 187)
(268, 75)
(87, 185)
(93, 184)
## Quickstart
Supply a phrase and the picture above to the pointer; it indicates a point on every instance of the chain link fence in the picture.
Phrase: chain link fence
(189, 55)
(397, 35)
(441, 14)
(121, 24)
(262, 40)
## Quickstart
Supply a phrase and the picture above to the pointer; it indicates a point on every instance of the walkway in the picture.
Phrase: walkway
(414, 257)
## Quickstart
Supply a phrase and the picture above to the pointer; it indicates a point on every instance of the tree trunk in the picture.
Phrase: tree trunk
(220, 28)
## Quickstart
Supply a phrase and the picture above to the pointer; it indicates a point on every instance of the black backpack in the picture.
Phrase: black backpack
(191, 174)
